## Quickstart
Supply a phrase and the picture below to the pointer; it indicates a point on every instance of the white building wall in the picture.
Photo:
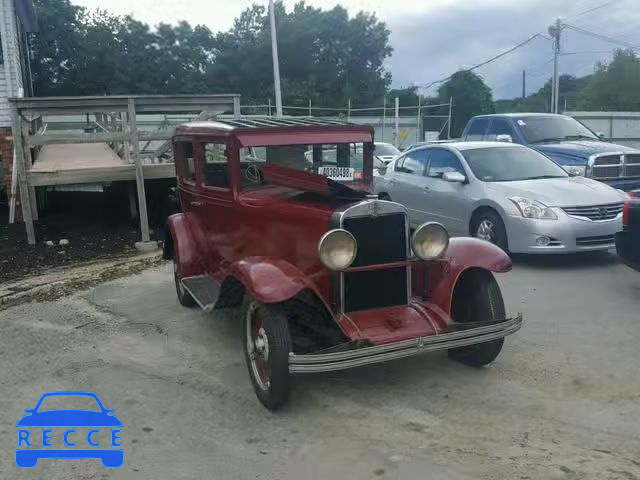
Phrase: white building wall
(10, 72)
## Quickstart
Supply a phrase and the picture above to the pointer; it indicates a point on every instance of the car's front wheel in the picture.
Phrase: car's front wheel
(477, 297)
(267, 343)
(184, 297)
(489, 226)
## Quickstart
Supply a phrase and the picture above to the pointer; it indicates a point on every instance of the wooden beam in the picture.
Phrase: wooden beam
(142, 199)
(36, 140)
(100, 175)
(25, 203)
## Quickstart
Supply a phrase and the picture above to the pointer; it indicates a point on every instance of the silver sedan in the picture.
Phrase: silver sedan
(507, 194)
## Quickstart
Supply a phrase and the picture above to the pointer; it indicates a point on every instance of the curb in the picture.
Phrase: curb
(61, 282)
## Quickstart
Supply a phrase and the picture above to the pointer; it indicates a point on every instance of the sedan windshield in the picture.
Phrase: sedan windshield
(508, 164)
(553, 128)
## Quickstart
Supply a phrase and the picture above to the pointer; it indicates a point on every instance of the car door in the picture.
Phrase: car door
(406, 185)
(446, 202)
(214, 207)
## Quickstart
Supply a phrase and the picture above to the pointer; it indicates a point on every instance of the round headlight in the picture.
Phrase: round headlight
(337, 249)
(430, 241)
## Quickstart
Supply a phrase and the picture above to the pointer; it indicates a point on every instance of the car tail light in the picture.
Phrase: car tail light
(626, 213)
(633, 194)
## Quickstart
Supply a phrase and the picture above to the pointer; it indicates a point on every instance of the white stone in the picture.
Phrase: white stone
(49, 243)
(63, 242)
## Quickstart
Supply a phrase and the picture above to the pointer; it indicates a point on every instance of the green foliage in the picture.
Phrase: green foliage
(471, 97)
(614, 86)
(323, 54)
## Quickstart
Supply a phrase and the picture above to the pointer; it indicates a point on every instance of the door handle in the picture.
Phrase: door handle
(427, 189)
(196, 204)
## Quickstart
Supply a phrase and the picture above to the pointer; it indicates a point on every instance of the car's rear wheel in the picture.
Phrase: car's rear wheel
(488, 225)
(184, 297)
(477, 297)
(267, 343)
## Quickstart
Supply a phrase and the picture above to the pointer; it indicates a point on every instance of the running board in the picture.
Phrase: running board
(204, 290)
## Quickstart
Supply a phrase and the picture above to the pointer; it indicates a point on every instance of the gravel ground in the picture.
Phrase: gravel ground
(561, 402)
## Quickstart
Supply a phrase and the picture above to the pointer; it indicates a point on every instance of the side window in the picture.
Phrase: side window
(215, 172)
(500, 126)
(185, 162)
(477, 129)
(441, 161)
(413, 163)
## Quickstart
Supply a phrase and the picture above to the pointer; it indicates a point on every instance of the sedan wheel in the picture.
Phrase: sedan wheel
(486, 231)
(488, 226)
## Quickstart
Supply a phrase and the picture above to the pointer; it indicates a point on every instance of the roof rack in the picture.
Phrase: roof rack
(266, 122)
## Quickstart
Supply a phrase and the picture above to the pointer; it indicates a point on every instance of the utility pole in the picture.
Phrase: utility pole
(555, 31)
(524, 84)
(276, 63)
(397, 128)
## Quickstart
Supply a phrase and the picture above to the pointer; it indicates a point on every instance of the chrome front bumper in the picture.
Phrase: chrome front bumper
(327, 362)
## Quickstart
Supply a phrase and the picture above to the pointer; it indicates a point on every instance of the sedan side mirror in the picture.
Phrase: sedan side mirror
(454, 177)
(504, 138)
(601, 135)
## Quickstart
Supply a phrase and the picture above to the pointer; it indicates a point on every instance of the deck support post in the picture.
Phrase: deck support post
(142, 199)
(22, 167)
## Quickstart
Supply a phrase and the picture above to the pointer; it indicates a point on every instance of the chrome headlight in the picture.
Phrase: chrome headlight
(576, 170)
(430, 241)
(533, 209)
(337, 249)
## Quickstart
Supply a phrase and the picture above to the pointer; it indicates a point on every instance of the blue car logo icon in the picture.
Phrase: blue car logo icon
(30, 438)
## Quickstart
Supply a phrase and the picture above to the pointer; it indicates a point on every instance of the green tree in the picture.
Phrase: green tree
(471, 96)
(614, 86)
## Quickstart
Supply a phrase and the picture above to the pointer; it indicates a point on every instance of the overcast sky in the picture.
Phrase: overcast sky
(434, 38)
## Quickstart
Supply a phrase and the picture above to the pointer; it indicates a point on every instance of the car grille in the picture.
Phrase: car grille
(596, 212)
(381, 239)
(595, 241)
(610, 166)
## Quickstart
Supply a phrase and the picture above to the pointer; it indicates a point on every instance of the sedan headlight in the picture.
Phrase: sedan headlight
(576, 170)
(337, 249)
(533, 209)
(430, 241)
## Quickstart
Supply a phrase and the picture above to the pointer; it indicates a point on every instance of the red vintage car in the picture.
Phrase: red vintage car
(279, 217)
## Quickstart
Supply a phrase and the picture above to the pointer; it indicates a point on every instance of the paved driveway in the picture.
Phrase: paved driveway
(562, 402)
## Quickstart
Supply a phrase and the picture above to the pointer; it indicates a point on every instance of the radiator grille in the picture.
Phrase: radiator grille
(616, 165)
(596, 212)
(381, 239)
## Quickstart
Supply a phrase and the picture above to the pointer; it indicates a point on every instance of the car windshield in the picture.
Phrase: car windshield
(386, 150)
(340, 162)
(553, 128)
(507, 164)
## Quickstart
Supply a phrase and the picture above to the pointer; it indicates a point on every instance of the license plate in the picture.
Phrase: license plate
(343, 174)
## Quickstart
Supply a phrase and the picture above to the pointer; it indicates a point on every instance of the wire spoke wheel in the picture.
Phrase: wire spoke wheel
(258, 347)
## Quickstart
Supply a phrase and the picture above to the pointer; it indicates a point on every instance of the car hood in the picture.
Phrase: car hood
(579, 150)
(559, 192)
(69, 418)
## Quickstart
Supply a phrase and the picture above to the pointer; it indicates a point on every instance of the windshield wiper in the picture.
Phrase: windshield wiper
(578, 137)
(538, 177)
(547, 140)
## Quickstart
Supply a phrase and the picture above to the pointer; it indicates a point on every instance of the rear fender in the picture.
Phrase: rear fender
(270, 280)
(436, 281)
(179, 241)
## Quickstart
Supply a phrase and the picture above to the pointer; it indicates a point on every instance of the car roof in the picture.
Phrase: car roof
(520, 114)
(244, 124)
(462, 146)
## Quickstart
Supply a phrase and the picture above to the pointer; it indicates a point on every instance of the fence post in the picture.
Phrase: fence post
(449, 118)
(419, 130)
(349, 110)
(384, 117)
(396, 140)
(142, 199)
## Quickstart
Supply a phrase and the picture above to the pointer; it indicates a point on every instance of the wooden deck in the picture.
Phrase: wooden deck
(64, 164)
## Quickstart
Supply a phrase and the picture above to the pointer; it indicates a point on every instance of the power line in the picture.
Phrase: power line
(593, 9)
(604, 38)
(486, 62)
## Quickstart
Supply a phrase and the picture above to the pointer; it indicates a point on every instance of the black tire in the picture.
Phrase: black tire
(477, 297)
(184, 297)
(274, 391)
(498, 233)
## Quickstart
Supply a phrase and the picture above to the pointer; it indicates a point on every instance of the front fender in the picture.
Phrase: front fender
(463, 254)
(270, 280)
(179, 242)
